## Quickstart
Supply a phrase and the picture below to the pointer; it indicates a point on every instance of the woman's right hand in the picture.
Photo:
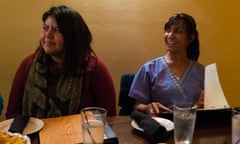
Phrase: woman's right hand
(153, 109)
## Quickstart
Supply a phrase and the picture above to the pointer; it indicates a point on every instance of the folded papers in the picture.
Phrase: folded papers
(151, 128)
(61, 130)
(214, 96)
(18, 124)
(68, 130)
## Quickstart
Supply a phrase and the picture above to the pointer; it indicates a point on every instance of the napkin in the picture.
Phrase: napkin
(18, 124)
(151, 128)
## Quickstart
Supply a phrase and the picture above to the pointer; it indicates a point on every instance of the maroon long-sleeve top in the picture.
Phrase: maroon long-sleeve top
(97, 89)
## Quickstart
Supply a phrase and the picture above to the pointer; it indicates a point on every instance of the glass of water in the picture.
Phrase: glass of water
(236, 126)
(93, 125)
(184, 117)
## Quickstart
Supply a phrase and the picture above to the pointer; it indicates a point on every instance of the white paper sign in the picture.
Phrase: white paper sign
(214, 96)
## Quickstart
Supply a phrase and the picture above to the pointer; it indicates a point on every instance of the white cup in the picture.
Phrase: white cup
(236, 126)
(184, 117)
(93, 125)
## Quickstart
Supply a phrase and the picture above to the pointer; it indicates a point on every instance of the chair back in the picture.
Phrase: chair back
(1, 103)
(125, 102)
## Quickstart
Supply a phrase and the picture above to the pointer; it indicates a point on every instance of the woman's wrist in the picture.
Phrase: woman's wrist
(142, 107)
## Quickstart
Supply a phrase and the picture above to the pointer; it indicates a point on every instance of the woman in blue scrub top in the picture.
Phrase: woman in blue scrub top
(175, 76)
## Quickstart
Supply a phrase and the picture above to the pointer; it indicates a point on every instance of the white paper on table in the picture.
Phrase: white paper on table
(213, 93)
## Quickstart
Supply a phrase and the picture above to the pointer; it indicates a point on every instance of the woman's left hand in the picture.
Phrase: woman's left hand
(200, 102)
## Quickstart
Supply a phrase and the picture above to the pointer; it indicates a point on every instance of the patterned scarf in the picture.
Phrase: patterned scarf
(65, 97)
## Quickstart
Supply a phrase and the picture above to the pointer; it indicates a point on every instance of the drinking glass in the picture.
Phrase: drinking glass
(93, 124)
(236, 126)
(184, 117)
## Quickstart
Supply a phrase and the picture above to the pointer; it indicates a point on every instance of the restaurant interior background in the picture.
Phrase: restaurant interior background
(126, 34)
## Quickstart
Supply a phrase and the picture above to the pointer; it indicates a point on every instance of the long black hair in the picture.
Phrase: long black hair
(77, 38)
(190, 24)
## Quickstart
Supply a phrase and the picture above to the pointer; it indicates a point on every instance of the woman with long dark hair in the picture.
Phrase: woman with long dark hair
(64, 74)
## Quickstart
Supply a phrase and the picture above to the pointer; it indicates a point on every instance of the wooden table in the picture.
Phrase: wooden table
(203, 134)
(214, 134)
